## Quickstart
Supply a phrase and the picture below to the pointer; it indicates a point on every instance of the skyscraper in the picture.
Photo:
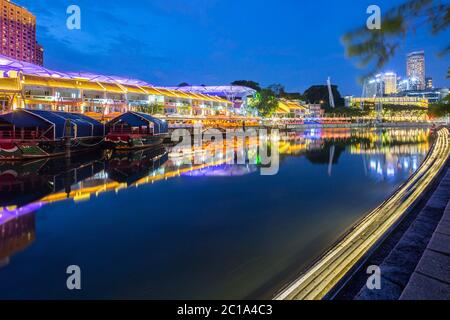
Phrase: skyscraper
(18, 33)
(415, 70)
(380, 85)
(390, 83)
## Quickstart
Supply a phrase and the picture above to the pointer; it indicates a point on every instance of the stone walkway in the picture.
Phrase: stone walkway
(431, 278)
(418, 267)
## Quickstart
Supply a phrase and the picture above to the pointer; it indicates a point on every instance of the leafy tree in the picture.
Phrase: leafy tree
(440, 109)
(265, 102)
(153, 108)
(376, 47)
(247, 83)
(320, 94)
(293, 96)
(278, 89)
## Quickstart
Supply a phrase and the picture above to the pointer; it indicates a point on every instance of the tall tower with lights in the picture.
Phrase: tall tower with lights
(415, 70)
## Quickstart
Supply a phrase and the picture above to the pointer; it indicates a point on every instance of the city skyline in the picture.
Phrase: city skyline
(217, 57)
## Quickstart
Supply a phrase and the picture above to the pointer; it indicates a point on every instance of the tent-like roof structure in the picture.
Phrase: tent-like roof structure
(137, 119)
(82, 126)
(221, 91)
(40, 76)
(7, 64)
(287, 106)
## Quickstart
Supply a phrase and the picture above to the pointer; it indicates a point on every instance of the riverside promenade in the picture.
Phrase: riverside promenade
(417, 266)
(337, 267)
(431, 278)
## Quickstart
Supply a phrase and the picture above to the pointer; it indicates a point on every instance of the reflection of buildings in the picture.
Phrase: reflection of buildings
(223, 171)
(17, 232)
(84, 180)
(390, 166)
(392, 153)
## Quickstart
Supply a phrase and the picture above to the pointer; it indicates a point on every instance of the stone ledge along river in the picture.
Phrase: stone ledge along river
(150, 225)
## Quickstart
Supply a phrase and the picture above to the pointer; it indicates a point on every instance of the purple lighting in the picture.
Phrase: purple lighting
(6, 215)
(29, 69)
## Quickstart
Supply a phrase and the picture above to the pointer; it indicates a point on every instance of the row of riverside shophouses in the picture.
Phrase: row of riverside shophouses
(25, 85)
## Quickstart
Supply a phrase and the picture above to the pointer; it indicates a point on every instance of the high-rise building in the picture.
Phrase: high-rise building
(381, 85)
(18, 34)
(415, 70)
(390, 83)
(39, 55)
(429, 83)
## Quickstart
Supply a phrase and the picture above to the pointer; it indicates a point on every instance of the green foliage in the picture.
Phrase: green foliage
(376, 47)
(278, 89)
(320, 94)
(441, 109)
(265, 102)
(154, 108)
(247, 83)
(293, 96)
(349, 112)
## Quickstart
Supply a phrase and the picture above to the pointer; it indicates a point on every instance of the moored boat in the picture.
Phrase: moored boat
(32, 134)
(135, 130)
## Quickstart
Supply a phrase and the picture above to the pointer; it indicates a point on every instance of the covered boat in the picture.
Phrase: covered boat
(135, 130)
(30, 134)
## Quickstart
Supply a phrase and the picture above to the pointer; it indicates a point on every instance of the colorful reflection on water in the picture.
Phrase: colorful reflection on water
(150, 224)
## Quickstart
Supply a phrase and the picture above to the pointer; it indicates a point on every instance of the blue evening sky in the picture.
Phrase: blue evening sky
(212, 42)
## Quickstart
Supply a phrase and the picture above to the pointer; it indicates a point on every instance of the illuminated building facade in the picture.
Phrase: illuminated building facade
(395, 101)
(429, 83)
(390, 83)
(374, 87)
(25, 85)
(18, 34)
(239, 95)
(381, 85)
(415, 70)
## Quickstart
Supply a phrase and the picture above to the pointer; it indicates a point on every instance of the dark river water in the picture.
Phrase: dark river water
(150, 225)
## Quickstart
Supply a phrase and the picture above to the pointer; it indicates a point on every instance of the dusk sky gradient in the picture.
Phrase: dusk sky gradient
(165, 42)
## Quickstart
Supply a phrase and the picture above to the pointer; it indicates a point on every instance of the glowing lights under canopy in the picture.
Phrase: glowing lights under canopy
(222, 91)
(102, 82)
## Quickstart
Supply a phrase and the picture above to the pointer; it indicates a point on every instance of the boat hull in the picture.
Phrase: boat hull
(28, 150)
(129, 143)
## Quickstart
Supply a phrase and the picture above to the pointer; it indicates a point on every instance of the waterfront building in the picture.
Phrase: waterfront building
(18, 34)
(415, 70)
(315, 110)
(355, 102)
(239, 95)
(25, 85)
(290, 109)
(432, 95)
